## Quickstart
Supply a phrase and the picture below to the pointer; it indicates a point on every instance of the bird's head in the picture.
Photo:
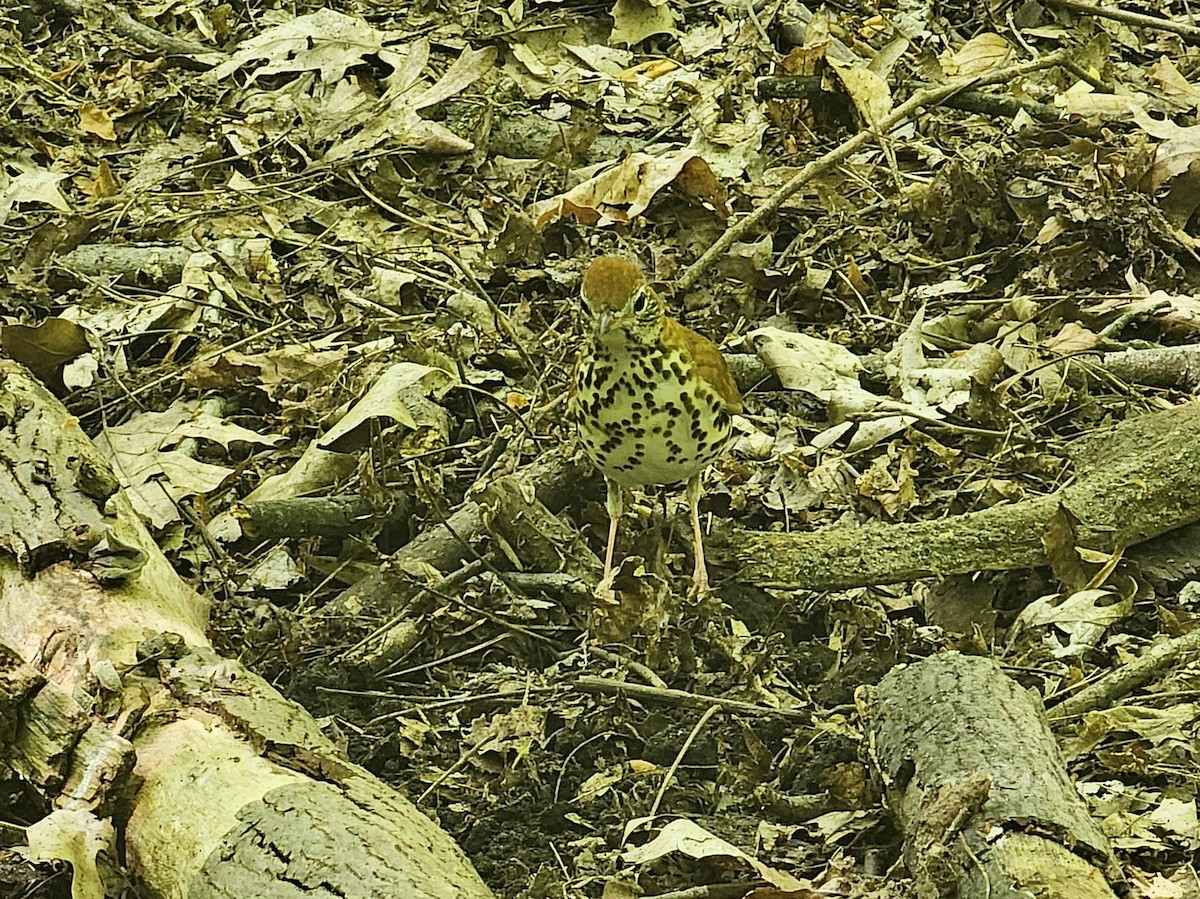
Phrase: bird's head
(622, 302)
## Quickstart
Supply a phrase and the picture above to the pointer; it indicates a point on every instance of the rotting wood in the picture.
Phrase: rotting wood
(271, 805)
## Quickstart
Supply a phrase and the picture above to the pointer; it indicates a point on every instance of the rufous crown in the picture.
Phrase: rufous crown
(608, 283)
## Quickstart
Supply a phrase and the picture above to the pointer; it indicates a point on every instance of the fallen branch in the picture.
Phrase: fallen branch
(1172, 367)
(1129, 18)
(1123, 680)
(668, 696)
(1134, 481)
(151, 38)
(554, 481)
(929, 97)
(808, 87)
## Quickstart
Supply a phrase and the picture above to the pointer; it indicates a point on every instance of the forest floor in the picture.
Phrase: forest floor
(223, 228)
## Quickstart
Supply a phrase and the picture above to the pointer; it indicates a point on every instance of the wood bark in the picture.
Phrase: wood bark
(511, 513)
(310, 516)
(115, 706)
(553, 480)
(977, 785)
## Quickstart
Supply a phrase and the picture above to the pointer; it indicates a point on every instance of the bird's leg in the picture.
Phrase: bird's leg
(700, 574)
(616, 508)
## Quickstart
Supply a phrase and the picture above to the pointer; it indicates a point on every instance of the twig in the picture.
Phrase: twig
(470, 755)
(151, 38)
(807, 87)
(1122, 681)
(1129, 18)
(1084, 75)
(591, 684)
(503, 322)
(1135, 312)
(902, 113)
(643, 671)
(401, 214)
(179, 372)
(683, 751)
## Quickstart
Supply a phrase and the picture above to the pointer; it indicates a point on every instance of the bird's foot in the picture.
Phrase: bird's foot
(700, 587)
(604, 590)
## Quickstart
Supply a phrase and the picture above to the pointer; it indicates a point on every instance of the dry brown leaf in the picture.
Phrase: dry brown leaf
(623, 192)
(95, 120)
(1174, 86)
(1072, 338)
(868, 91)
(980, 54)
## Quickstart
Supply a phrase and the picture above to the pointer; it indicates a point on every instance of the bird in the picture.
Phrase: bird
(652, 401)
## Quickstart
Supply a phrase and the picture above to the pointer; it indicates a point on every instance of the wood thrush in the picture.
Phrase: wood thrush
(651, 400)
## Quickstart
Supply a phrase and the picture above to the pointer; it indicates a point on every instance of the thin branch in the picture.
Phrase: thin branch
(1129, 18)
(929, 97)
(151, 38)
(1119, 682)
(807, 87)
(588, 683)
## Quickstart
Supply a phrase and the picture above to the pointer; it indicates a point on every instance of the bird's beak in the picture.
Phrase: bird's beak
(604, 321)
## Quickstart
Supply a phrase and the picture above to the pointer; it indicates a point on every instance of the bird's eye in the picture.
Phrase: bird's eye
(641, 301)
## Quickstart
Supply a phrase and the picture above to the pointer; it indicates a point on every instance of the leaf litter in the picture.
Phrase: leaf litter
(343, 260)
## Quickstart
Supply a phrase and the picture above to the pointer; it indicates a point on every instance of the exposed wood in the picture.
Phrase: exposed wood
(309, 516)
(531, 536)
(1119, 682)
(553, 479)
(119, 701)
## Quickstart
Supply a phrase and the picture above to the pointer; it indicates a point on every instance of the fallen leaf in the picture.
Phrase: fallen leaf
(95, 120)
(636, 20)
(36, 185)
(624, 191)
(690, 839)
(326, 41)
(400, 395)
(869, 92)
(980, 54)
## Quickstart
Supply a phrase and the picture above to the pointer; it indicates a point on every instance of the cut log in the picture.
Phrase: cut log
(114, 705)
(976, 783)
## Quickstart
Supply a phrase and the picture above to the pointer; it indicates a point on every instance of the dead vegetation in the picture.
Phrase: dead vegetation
(308, 278)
